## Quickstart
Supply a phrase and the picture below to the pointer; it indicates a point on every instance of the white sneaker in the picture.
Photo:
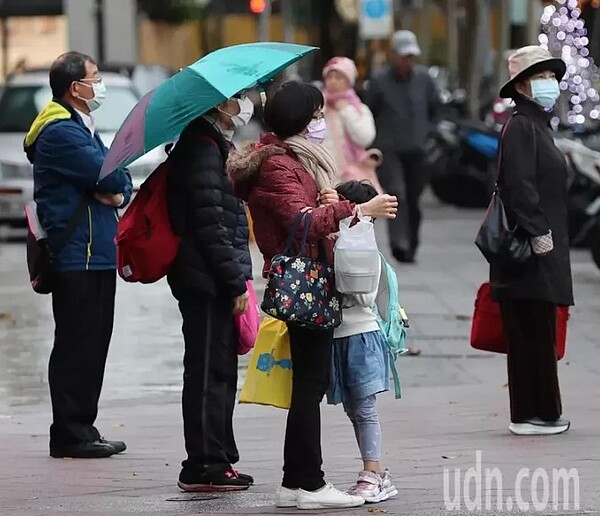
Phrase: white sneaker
(538, 427)
(286, 497)
(388, 484)
(370, 487)
(328, 497)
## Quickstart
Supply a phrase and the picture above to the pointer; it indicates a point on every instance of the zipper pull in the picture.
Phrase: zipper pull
(404, 317)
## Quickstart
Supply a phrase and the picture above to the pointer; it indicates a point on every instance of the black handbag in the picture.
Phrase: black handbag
(40, 257)
(301, 290)
(500, 243)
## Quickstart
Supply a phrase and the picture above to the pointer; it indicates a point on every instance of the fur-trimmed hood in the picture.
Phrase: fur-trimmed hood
(243, 165)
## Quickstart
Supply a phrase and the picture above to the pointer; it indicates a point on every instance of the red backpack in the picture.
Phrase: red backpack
(146, 244)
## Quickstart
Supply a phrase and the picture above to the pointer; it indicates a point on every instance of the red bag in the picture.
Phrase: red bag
(487, 333)
(146, 244)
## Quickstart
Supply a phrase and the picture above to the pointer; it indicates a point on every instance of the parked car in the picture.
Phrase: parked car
(22, 98)
(144, 77)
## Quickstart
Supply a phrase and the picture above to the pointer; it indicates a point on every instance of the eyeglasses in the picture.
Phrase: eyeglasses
(94, 80)
(241, 95)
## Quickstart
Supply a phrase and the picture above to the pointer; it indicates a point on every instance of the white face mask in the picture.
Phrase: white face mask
(227, 134)
(99, 95)
(316, 130)
(245, 114)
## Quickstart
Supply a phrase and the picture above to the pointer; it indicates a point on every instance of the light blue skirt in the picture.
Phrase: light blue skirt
(359, 367)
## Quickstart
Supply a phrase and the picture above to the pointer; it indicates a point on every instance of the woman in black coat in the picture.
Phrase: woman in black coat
(208, 279)
(533, 187)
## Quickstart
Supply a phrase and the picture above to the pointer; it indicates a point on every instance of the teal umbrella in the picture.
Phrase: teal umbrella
(162, 114)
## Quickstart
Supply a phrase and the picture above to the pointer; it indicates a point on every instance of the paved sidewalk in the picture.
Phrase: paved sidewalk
(455, 402)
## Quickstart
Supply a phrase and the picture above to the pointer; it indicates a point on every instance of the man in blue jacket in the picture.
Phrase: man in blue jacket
(67, 155)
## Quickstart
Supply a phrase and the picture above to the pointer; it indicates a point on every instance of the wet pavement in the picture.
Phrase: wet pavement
(455, 400)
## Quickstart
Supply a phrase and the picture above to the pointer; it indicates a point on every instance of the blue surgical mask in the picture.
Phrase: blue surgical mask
(545, 92)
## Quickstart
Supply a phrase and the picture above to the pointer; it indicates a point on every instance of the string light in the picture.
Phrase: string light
(564, 34)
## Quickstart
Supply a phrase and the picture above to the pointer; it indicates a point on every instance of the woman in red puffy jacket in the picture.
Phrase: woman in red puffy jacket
(287, 172)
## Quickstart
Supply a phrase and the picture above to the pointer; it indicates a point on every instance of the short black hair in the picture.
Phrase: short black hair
(65, 70)
(290, 108)
(357, 192)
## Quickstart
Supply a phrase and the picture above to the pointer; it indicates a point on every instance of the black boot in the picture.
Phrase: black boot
(87, 450)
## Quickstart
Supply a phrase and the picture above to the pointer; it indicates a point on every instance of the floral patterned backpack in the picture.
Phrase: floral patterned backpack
(301, 290)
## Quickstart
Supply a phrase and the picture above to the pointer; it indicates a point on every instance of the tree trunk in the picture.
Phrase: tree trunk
(451, 8)
(475, 12)
(533, 22)
(325, 11)
(503, 42)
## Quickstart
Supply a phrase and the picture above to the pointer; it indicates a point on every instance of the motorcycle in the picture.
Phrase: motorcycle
(499, 113)
(462, 160)
(584, 195)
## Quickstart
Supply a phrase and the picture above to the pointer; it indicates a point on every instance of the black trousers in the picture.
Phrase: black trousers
(83, 303)
(209, 379)
(403, 174)
(530, 328)
(311, 359)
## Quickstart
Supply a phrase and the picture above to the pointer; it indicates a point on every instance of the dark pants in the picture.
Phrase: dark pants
(403, 174)
(209, 380)
(530, 328)
(311, 362)
(83, 303)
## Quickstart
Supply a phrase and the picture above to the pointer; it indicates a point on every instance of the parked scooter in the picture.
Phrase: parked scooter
(499, 113)
(462, 160)
(584, 195)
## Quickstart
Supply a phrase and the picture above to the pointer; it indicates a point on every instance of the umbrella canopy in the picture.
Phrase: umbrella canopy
(162, 114)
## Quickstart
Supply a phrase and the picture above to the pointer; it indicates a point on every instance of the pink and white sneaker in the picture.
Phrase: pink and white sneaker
(388, 484)
(370, 487)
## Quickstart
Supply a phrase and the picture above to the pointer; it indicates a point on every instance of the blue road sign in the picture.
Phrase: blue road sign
(376, 8)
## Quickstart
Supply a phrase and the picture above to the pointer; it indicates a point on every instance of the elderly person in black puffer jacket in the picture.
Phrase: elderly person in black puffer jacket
(208, 279)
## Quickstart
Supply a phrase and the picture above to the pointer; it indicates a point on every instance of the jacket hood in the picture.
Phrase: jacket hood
(50, 113)
(244, 164)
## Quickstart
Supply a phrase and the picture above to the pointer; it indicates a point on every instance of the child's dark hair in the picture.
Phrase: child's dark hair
(357, 192)
(290, 108)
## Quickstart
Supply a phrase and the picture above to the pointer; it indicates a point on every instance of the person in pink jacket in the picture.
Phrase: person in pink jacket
(350, 124)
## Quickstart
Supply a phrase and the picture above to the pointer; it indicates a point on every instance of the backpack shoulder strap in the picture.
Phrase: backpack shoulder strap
(382, 297)
(71, 225)
(392, 281)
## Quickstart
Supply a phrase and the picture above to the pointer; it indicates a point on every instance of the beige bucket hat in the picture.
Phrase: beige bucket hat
(528, 61)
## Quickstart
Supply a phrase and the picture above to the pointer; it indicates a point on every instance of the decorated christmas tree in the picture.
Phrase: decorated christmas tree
(564, 35)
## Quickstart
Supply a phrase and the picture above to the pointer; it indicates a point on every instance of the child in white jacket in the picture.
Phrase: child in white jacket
(359, 371)
(350, 123)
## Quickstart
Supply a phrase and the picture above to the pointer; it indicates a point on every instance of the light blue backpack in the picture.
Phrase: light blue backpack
(391, 318)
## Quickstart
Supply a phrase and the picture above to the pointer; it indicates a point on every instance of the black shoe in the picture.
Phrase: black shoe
(89, 450)
(191, 481)
(119, 446)
(403, 255)
(243, 476)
